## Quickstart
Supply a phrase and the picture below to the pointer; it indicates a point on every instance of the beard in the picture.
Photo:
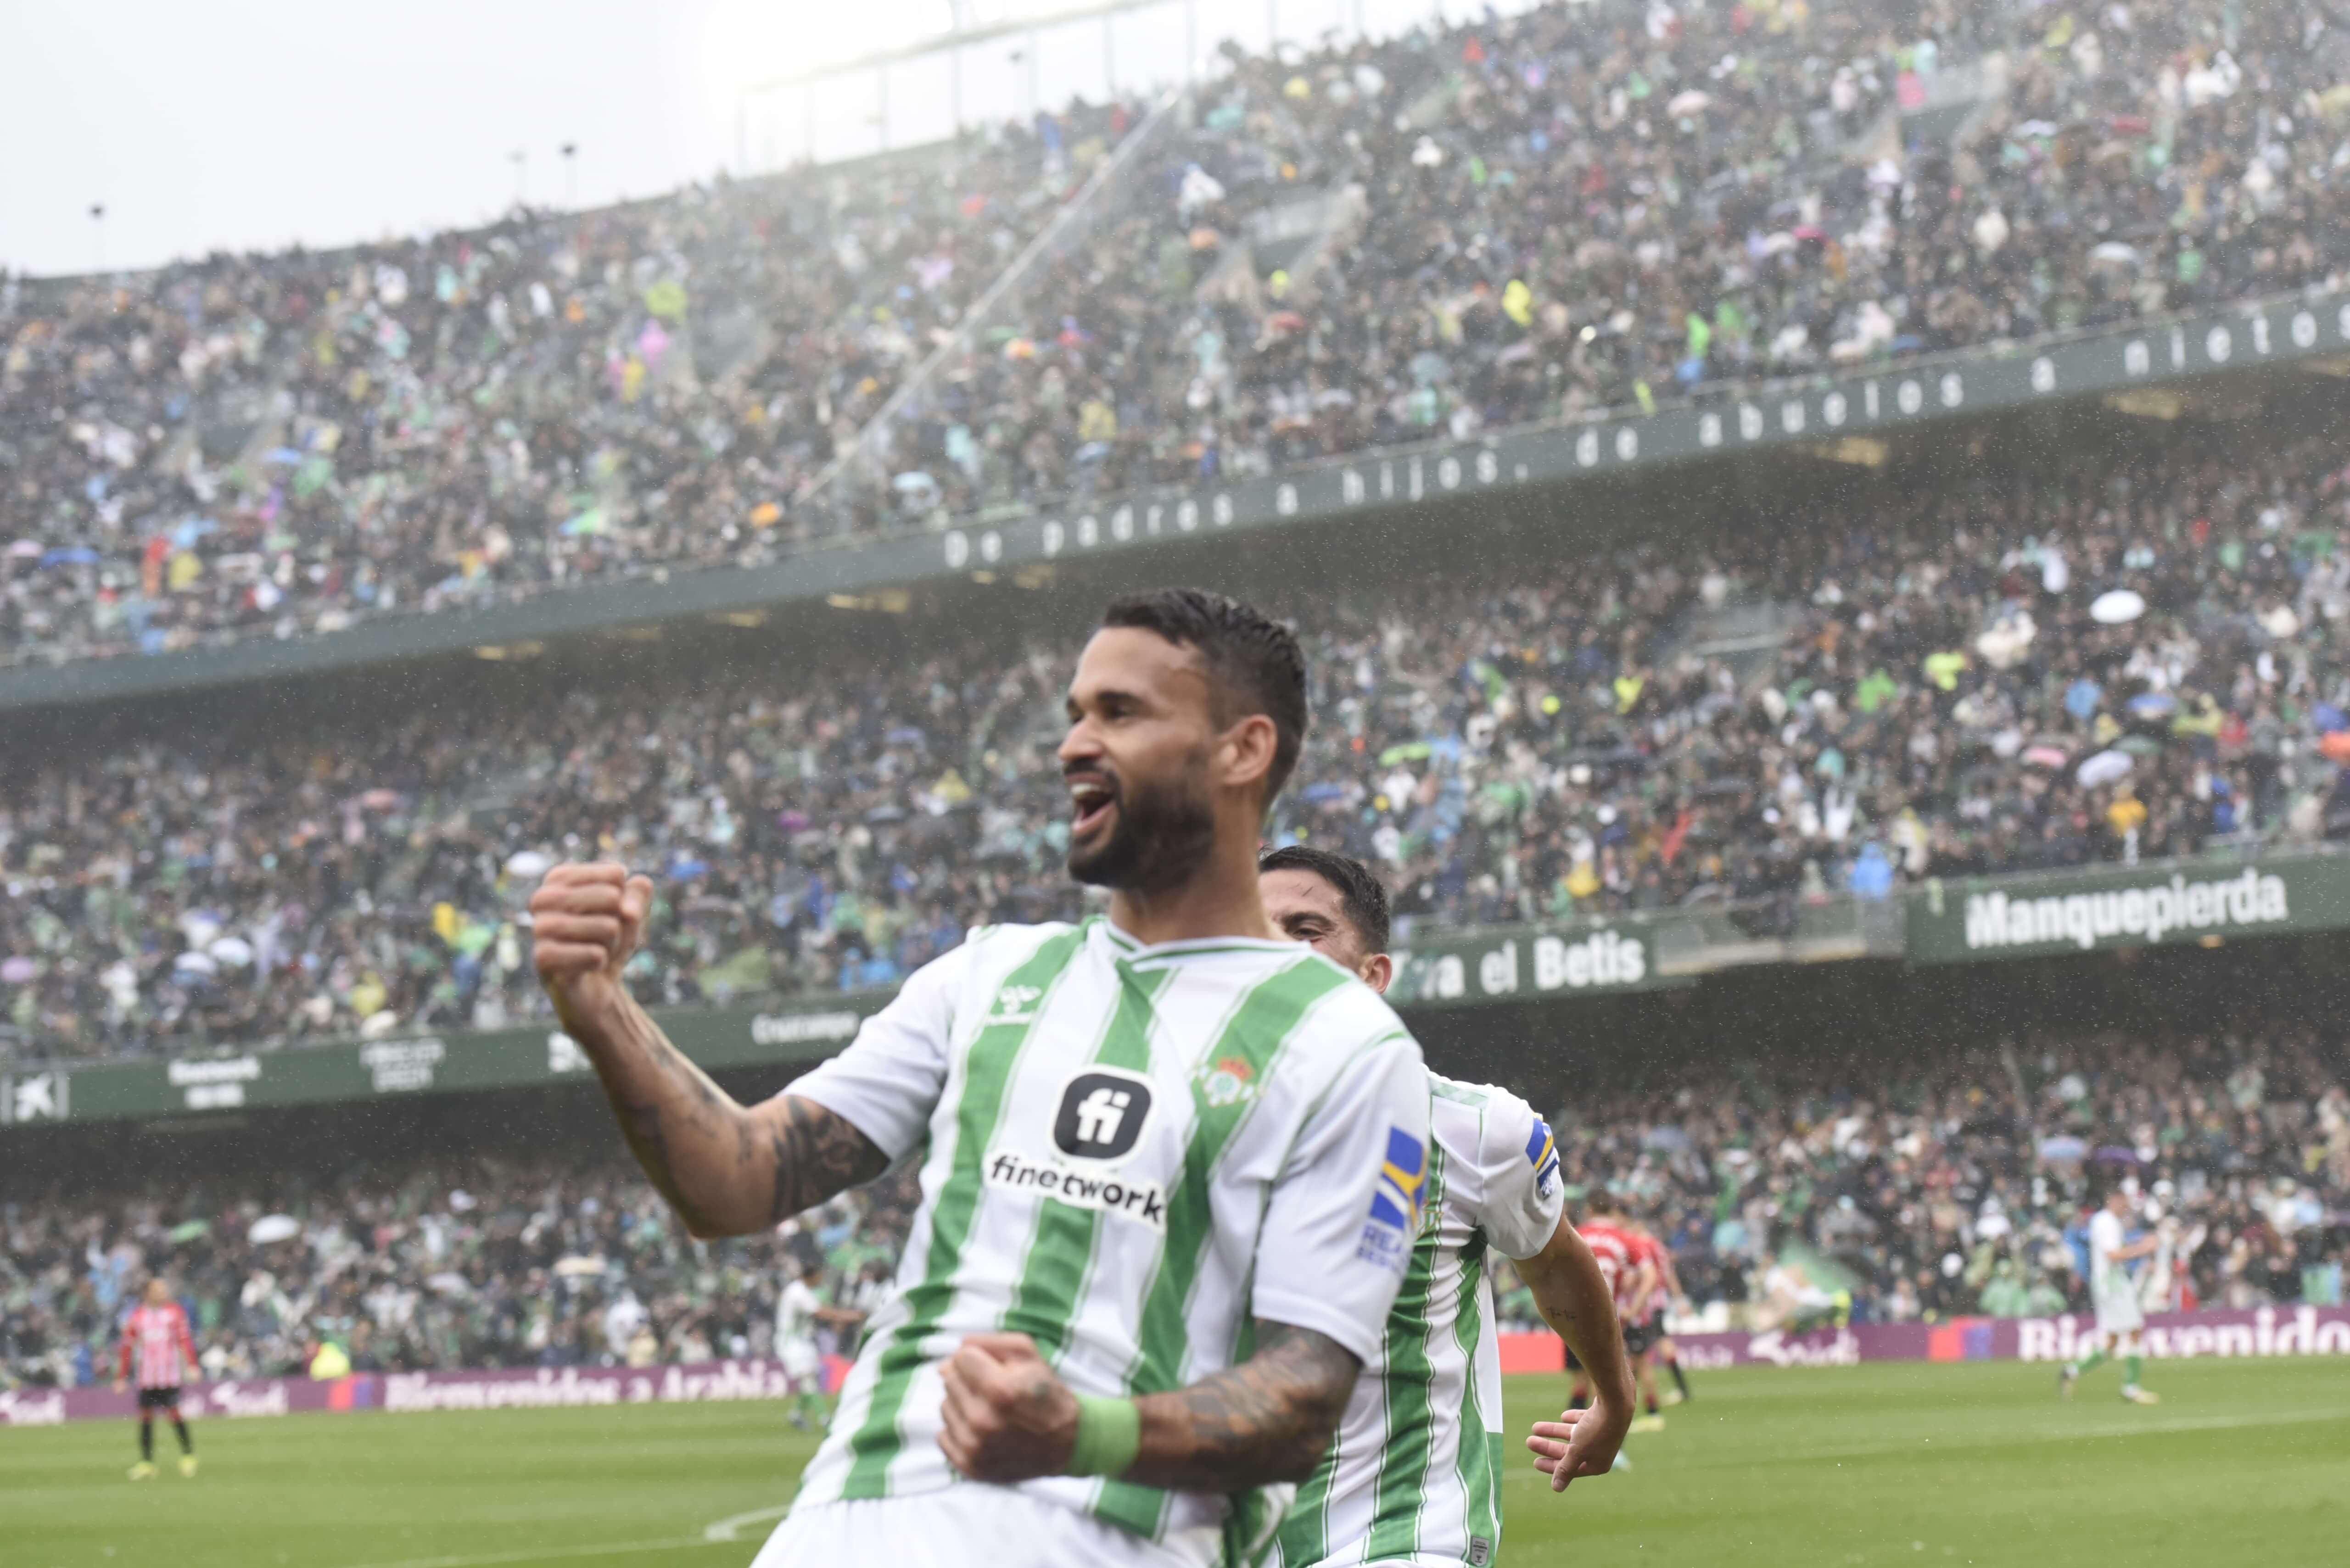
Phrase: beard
(1163, 832)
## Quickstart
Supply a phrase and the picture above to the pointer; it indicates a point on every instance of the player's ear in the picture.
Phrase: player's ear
(1377, 972)
(1244, 752)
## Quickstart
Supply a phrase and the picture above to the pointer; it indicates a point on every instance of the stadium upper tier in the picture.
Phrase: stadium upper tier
(1599, 205)
(2109, 657)
(1915, 1192)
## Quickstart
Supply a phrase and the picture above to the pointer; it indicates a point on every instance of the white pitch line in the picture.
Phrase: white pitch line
(725, 1529)
(546, 1553)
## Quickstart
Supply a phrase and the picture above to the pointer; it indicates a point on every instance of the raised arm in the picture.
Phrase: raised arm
(726, 1169)
(1572, 1295)
(1269, 1419)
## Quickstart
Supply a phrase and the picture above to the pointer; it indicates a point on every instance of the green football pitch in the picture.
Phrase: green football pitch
(2243, 1463)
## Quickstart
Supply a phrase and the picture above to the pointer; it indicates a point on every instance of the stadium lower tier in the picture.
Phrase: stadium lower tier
(2092, 659)
(1794, 1201)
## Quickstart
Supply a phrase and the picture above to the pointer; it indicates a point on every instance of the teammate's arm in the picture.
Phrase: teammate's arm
(1009, 1418)
(187, 1339)
(1573, 1297)
(2129, 1251)
(725, 1169)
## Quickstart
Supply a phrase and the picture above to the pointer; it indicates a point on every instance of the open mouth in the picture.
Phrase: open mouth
(1090, 800)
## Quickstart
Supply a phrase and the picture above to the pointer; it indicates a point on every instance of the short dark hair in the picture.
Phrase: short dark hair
(1361, 895)
(1599, 1200)
(1255, 665)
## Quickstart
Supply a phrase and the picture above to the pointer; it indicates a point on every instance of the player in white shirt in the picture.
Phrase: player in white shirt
(799, 1309)
(2114, 1296)
(1171, 1163)
(1415, 1476)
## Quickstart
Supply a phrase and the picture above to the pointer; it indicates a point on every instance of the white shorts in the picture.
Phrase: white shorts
(2118, 1312)
(799, 1358)
(967, 1523)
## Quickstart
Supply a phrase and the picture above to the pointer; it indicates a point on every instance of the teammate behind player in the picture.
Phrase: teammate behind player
(2114, 1296)
(1414, 1475)
(1632, 1277)
(1169, 1164)
(155, 1336)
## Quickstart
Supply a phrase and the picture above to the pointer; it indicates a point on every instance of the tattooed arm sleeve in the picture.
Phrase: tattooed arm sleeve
(726, 1170)
(729, 1170)
(1267, 1420)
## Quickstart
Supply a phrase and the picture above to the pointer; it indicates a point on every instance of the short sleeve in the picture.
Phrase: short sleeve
(1519, 1174)
(1344, 1210)
(887, 1083)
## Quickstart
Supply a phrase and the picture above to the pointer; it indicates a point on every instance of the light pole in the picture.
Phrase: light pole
(570, 150)
(520, 159)
(97, 227)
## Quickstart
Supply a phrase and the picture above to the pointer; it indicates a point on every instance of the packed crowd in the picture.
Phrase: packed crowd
(1594, 205)
(1965, 1188)
(2116, 660)
(480, 1262)
(1601, 206)
(1957, 1191)
(275, 445)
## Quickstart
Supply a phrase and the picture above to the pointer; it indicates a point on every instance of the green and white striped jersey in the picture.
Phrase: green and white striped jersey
(1127, 1153)
(1415, 1476)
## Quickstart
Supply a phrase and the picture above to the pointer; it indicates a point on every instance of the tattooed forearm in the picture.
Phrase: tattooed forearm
(725, 1169)
(1267, 1420)
(816, 1153)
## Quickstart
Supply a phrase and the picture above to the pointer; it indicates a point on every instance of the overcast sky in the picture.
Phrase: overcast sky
(251, 124)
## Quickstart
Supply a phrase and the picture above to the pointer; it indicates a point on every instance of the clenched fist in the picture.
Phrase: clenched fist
(1007, 1417)
(585, 921)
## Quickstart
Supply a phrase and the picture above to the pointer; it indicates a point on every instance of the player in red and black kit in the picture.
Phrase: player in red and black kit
(156, 1333)
(1626, 1263)
(1667, 1290)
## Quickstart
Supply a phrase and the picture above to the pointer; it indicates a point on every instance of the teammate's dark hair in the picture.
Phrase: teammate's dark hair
(1255, 665)
(1361, 896)
(1599, 1200)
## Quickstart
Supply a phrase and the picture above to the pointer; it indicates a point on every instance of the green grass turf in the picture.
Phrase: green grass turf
(2244, 1462)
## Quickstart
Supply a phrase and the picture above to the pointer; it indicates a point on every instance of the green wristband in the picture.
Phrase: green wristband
(1109, 1434)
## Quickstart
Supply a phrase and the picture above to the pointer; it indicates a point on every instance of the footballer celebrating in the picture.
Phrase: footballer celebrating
(1171, 1163)
(1414, 1475)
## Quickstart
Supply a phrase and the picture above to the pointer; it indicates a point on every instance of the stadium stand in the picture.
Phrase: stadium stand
(1592, 206)
(2121, 657)
(1804, 1196)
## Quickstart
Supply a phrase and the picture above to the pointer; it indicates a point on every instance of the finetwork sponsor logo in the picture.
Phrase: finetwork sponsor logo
(1142, 1202)
(2144, 914)
(796, 1028)
(1102, 1116)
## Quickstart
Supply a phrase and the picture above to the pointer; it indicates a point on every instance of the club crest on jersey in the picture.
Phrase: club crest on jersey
(1226, 1081)
(1542, 1153)
(1394, 1222)
(1101, 1115)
